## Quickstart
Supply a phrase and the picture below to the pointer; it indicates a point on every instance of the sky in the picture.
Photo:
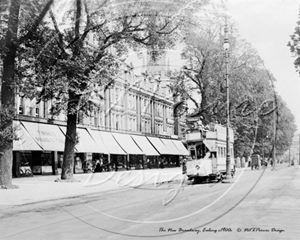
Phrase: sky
(267, 26)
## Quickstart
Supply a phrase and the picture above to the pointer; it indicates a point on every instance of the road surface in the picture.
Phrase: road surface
(256, 204)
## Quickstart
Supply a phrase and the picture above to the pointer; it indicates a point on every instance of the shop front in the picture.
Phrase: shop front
(171, 160)
(150, 154)
(36, 147)
(135, 156)
(169, 151)
(117, 157)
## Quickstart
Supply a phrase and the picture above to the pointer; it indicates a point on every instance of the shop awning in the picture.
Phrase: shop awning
(145, 145)
(159, 146)
(111, 144)
(170, 145)
(181, 147)
(97, 138)
(86, 143)
(48, 136)
(24, 141)
(127, 143)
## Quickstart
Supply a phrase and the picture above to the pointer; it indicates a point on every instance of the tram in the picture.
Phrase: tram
(207, 149)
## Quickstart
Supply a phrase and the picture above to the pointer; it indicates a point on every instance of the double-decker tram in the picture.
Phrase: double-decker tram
(207, 148)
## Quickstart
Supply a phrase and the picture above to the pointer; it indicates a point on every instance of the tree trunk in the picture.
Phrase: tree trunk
(71, 135)
(8, 93)
(70, 141)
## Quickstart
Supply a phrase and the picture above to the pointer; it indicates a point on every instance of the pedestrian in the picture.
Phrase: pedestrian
(184, 166)
(115, 164)
(85, 166)
(77, 164)
(98, 167)
(148, 164)
(161, 164)
(101, 164)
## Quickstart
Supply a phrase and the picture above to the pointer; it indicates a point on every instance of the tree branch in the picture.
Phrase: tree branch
(36, 22)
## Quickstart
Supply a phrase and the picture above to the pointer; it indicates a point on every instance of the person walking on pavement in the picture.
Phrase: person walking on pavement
(98, 167)
(184, 166)
(148, 164)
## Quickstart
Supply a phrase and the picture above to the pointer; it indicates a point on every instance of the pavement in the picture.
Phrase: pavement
(46, 188)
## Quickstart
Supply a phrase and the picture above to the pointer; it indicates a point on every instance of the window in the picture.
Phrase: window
(80, 117)
(21, 107)
(117, 122)
(130, 123)
(113, 120)
(112, 96)
(100, 119)
(117, 96)
(37, 112)
(134, 102)
(143, 125)
(96, 121)
(129, 101)
(193, 154)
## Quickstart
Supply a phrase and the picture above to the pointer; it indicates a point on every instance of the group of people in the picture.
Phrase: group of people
(100, 166)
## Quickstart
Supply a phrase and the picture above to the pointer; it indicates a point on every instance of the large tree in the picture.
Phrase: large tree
(252, 96)
(71, 60)
(12, 36)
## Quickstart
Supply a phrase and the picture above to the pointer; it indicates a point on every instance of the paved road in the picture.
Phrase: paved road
(255, 205)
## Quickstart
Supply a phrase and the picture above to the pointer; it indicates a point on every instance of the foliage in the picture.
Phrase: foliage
(12, 35)
(7, 132)
(68, 61)
(294, 45)
(252, 96)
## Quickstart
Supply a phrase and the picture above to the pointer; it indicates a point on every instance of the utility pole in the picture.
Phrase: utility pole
(289, 156)
(274, 140)
(263, 147)
(226, 48)
(299, 149)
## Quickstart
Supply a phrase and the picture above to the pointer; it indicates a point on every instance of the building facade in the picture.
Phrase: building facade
(130, 127)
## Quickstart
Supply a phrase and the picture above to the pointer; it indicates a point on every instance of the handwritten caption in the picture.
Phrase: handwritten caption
(220, 230)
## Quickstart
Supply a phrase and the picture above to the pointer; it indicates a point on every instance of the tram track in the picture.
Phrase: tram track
(68, 209)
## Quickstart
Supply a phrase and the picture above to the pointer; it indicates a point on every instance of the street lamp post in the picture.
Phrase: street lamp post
(226, 48)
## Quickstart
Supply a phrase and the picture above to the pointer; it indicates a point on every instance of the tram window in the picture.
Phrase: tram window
(213, 155)
(200, 152)
(193, 154)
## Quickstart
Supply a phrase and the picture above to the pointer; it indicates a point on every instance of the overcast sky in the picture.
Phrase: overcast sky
(267, 25)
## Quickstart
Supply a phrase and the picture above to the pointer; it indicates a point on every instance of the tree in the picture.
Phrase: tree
(294, 45)
(70, 62)
(12, 40)
(252, 95)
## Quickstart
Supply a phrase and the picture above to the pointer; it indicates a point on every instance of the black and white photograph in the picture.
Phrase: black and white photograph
(149, 119)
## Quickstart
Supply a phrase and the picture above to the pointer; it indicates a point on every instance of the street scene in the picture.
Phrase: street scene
(254, 205)
(169, 119)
